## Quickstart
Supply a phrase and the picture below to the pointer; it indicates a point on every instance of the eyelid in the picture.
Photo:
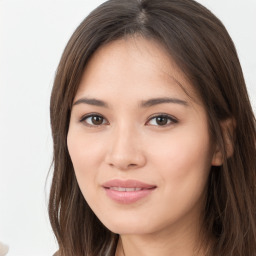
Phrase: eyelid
(84, 117)
(173, 120)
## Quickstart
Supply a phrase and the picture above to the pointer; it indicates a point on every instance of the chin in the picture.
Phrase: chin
(127, 230)
(128, 226)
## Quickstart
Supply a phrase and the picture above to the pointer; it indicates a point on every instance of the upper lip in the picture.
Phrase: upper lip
(127, 184)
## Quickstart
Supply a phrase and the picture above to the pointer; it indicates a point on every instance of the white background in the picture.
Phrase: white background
(33, 34)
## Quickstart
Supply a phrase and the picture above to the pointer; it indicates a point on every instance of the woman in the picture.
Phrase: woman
(154, 136)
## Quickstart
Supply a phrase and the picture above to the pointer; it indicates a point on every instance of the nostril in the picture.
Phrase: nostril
(132, 165)
(123, 166)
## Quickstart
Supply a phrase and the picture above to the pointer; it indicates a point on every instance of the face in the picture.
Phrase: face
(138, 139)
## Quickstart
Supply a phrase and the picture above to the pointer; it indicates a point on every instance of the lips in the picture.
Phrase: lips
(127, 191)
(122, 189)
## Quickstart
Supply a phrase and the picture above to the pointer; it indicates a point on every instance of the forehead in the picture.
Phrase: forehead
(133, 63)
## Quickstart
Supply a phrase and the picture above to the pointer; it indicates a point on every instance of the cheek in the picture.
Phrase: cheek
(86, 156)
(183, 159)
(189, 144)
(183, 166)
(84, 149)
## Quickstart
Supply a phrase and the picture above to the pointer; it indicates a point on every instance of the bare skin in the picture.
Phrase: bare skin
(132, 120)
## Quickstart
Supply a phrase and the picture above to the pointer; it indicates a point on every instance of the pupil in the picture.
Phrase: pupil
(97, 120)
(161, 120)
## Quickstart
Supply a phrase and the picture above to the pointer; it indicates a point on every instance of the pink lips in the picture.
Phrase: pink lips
(127, 191)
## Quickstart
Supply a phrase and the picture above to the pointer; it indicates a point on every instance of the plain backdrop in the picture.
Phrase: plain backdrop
(33, 34)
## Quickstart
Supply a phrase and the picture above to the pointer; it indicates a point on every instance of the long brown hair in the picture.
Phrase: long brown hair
(204, 51)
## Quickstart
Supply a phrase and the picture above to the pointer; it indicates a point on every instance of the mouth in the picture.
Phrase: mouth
(127, 191)
(124, 189)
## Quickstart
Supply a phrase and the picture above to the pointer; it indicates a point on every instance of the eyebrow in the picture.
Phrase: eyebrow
(94, 102)
(144, 104)
(156, 101)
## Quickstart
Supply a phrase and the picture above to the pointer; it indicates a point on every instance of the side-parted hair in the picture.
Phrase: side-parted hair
(202, 48)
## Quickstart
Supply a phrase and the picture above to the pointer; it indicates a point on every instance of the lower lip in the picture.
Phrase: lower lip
(128, 197)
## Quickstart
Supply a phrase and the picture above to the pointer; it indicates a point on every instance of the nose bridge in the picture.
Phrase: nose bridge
(125, 150)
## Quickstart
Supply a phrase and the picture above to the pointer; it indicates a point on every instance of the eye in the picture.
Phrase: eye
(93, 120)
(162, 120)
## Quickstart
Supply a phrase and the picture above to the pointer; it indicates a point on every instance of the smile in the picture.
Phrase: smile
(127, 191)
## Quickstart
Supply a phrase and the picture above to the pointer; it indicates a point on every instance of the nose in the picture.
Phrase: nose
(125, 150)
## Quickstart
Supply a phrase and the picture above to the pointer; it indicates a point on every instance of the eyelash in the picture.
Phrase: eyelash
(83, 119)
(170, 119)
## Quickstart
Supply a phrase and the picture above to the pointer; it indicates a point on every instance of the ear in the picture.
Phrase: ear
(227, 128)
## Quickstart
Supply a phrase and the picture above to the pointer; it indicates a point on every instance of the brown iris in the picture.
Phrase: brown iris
(97, 120)
(161, 120)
